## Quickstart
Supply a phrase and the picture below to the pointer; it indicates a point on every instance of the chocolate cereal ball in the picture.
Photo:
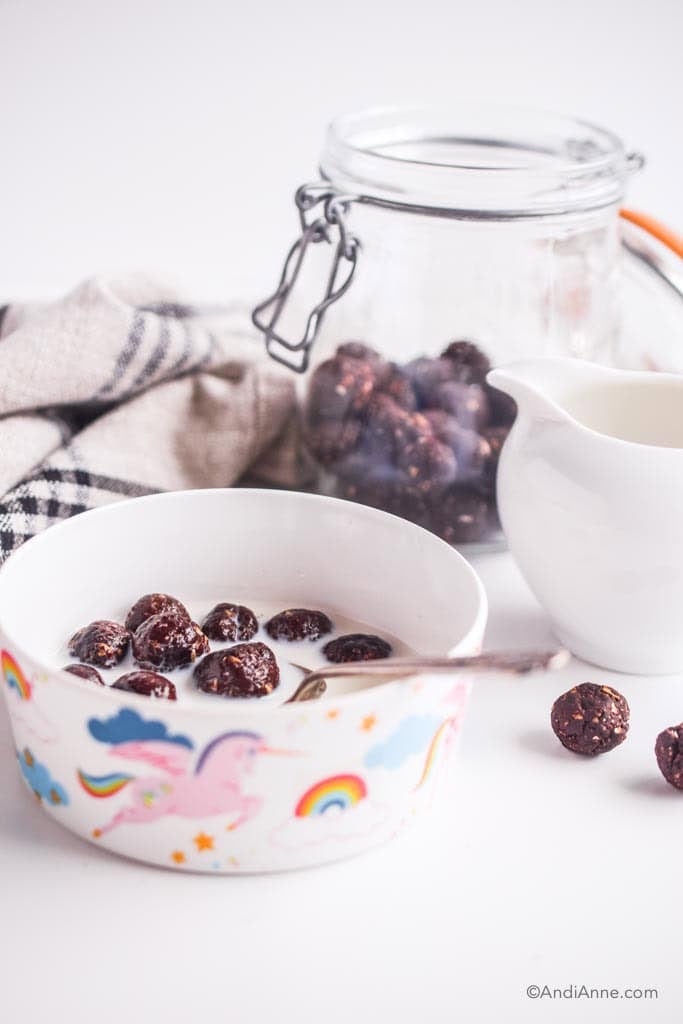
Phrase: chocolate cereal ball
(332, 440)
(85, 672)
(340, 387)
(395, 382)
(388, 428)
(102, 643)
(470, 363)
(230, 622)
(420, 439)
(359, 350)
(366, 468)
(298, 624)
(147, 684)
(357, 647)
(444, 426)
(426, 376)
(428, 461)
(153, 604)
(392, 494)
(167, 641)
(669, 754)
(590, 719)
(466, 402)
(246, 670)
(474, 453)
(461, 515)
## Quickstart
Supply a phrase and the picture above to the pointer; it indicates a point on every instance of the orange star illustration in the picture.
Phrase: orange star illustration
(203, 842)
(178, 857)
(368, 723)
(333, 713)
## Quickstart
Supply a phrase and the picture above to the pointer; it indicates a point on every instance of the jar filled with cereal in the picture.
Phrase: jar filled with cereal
(436, 244)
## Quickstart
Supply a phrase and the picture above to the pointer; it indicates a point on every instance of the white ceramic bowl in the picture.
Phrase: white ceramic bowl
(215, 786)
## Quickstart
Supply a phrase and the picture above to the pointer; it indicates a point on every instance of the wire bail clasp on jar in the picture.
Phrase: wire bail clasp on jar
(326, 225)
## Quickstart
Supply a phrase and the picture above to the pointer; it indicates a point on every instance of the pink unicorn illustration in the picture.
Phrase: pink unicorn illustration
(214, 787)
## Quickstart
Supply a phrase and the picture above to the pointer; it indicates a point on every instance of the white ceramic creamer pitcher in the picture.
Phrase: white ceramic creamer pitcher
(590, 493)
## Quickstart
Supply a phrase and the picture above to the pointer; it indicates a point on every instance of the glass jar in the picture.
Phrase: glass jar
(452, 240)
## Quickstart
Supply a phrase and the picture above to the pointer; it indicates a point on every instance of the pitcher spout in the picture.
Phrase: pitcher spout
(540, 386)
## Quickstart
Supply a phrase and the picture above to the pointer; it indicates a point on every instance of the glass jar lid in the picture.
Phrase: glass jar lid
(476, 161)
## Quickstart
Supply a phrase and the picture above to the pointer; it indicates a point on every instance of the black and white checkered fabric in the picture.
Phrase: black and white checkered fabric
(83, 358)
(52, 494)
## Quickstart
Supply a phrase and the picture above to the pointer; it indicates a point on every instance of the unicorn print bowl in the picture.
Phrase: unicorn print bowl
(235, 786)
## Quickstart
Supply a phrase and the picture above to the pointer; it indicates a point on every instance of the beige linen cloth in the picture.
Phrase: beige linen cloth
(120, 389)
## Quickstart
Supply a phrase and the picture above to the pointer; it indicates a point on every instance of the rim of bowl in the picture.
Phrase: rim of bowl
(178, 707)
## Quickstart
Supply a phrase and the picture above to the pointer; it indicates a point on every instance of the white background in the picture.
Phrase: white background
(170, 136)
(143, 134)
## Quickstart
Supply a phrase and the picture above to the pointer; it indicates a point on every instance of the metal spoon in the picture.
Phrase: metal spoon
(314, 685)
(515, 662)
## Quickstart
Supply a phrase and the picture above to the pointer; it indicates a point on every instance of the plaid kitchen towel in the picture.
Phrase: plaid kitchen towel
(119, 389)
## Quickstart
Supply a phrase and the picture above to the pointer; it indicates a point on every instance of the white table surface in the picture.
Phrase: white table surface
(541, 868)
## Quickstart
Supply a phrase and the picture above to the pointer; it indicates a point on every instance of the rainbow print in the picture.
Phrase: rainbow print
(14, 677)
(103, 785)
(434, 747)
(340, 791)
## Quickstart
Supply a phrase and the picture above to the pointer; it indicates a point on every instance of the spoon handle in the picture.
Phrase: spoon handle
(515, 662)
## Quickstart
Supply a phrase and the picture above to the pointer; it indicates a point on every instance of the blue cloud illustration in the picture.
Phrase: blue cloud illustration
(40, 781)
(411, 737)
(127, 726)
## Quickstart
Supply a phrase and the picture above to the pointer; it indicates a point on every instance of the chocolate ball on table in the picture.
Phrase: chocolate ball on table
(669, 754)
(590, 719)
